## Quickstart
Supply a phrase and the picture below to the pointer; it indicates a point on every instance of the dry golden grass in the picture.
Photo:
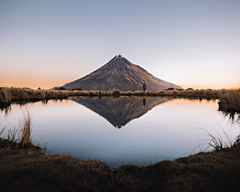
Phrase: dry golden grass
(229, 101)
(25, 137)
(18, 136)
(25, 94)
(5, 97)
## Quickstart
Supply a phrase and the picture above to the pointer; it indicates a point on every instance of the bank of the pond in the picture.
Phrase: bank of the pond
(229, 99)
(28, 169)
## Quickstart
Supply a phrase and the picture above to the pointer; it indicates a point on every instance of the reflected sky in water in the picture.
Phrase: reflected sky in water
(88, 128)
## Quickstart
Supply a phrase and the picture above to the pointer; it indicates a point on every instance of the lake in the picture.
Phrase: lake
(126, 130)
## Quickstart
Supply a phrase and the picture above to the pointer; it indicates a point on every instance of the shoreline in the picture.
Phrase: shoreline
(25, 169)
(229, 100)
(8, 95)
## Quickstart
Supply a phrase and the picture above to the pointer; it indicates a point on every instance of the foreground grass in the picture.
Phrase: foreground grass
(19, 138)
(30, 170)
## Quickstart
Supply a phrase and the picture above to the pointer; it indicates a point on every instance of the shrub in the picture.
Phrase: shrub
(77, 89)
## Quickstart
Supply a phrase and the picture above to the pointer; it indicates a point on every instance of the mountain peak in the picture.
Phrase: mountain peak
(120, 73)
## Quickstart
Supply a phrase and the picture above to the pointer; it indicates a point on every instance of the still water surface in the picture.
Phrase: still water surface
(135, 130)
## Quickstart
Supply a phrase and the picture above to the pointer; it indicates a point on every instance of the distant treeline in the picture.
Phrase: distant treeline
(229, 99)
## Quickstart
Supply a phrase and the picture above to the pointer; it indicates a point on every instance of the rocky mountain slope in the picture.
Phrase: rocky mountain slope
(121, 74)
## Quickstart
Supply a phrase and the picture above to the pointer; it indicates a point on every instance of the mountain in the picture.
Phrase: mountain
(122, 110)
(121, 74)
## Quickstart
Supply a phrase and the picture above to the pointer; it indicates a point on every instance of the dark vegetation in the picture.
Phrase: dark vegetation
(23, 167)
(30, 170)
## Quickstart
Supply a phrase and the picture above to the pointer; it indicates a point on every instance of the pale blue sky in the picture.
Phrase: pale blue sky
(192, 43)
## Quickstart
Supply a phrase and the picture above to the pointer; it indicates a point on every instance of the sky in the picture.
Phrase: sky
(48, 43)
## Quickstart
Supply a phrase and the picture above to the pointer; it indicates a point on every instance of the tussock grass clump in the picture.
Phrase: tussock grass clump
(106, 93)
(5, 97)
(115, 92)
(25, 138)
(20, 94)
(229, 104)
(18, 137)
(62, 94)
(56, 94)
(83, 93)
(217, 143)
(93, 93)
(229, 101)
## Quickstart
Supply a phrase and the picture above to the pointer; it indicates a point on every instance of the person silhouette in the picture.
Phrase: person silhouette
(144, 87)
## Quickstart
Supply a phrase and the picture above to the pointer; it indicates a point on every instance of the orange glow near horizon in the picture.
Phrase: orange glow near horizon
(32, 82)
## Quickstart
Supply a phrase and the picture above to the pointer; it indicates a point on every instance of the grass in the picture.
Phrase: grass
(230, 101)
(19, 137)
(229, 104)
(3, 129)
(5, 97)
(26, 94)
(217, 143)
(25, 137)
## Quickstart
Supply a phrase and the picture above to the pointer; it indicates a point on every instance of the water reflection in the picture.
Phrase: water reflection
(122, 110)
(169, 131)
(144, 101)
(6, 110)
(232, 117)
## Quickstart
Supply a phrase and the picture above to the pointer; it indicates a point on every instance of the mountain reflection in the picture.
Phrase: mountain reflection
(120, 111)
